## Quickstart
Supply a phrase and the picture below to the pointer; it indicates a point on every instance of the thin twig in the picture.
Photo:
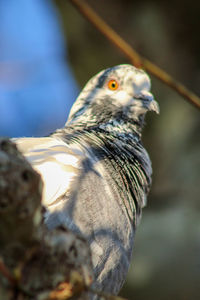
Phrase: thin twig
(132, 55)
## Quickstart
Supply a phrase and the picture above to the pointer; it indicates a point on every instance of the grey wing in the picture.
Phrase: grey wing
(111, 238)
(95, 210)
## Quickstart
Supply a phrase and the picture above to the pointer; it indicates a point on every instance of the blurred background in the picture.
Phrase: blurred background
(49, 51)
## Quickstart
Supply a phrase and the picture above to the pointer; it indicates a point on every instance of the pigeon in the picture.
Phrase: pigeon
(95, 170)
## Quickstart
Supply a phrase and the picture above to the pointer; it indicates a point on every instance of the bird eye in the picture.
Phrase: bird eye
(113, 84)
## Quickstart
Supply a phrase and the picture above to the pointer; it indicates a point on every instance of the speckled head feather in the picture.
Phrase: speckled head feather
(132, 97)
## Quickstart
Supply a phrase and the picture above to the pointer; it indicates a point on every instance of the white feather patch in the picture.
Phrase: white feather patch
(54, 161)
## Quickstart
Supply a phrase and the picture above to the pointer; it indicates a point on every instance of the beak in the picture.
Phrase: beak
(154, 106)
(148, 101)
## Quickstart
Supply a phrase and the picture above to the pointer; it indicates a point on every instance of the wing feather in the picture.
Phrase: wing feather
(55, 161)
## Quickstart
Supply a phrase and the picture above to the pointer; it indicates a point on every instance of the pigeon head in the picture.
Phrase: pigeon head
(121, 89)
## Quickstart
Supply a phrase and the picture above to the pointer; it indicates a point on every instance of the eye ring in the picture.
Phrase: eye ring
(113, 84)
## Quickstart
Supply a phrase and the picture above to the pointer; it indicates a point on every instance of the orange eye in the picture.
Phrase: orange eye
(113, 84)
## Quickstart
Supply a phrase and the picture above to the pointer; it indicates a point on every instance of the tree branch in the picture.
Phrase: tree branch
(136, 59)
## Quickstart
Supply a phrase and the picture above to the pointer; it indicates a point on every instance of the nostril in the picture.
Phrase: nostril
(144, 95)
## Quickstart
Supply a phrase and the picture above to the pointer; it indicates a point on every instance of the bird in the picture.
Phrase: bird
(96, 171)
